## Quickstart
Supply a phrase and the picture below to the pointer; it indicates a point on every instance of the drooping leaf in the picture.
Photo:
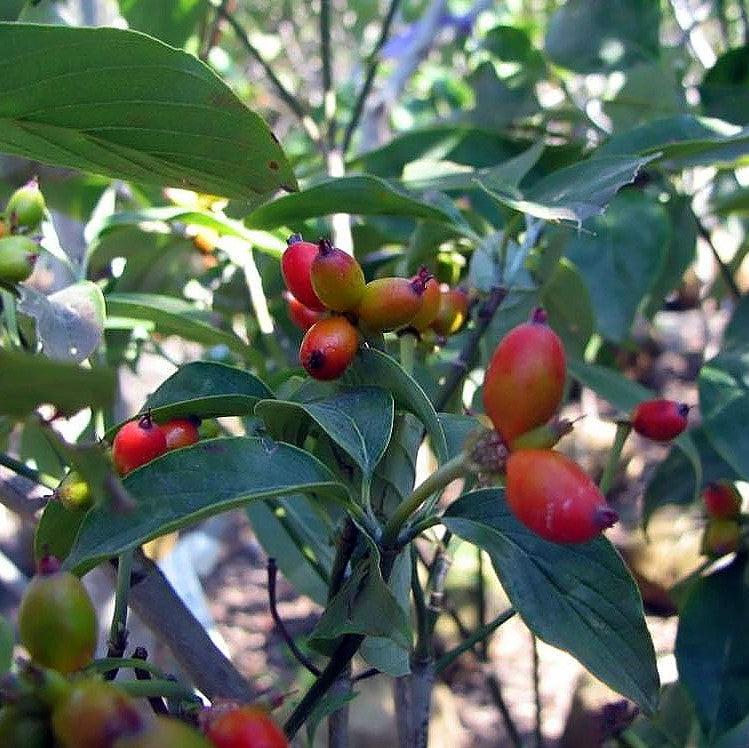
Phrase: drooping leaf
(172, 316)
(192, 483)
(725, 88)
(580, 598)
(712, 648)
(28, 381)
(359, 420)
(70, 322)
(125, 105)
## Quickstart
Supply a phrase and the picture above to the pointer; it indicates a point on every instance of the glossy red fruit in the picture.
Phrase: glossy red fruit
(722, 536)
(94, 715)
(430, 301)
(524, 382)
(660, 420)
(390, 303)
(296, 265)
(452, 312)
(181, 432)
(554, 497)
(163, 732)
(722, 500)
(337, 278)
(302, 316)
(328, 348)
(56, 619)
(137, 443)
(247, 727)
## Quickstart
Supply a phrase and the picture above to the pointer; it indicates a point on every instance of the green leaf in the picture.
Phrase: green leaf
(737, 332)
(358, 195)
(737, 202)
(621, 392)
(375, 368)
(620, 257)
(567, 301)
(70, 322)
(457, 429)
(724, 403)
(359, 420)
(7, 640)
(724, 90)
(331, 702)
(189, 484)
(56, 531)
(712, 648)
(580, 598)
(29, 381)
(172, 316)
(125, 105)
(671, 726)
(172, 21)
(574, 193)
(296, 535)
(590, 36)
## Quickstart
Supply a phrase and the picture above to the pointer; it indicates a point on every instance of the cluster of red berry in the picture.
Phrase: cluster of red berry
(329, 298)
(54, 701)
(23, 215)
(523, 389)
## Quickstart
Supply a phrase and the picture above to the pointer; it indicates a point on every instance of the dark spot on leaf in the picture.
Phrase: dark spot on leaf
(273, 165)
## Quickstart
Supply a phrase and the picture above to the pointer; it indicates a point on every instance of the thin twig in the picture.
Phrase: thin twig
(372, 67)
(289, 99)
(725, 271)
(280, 625)
(365, 674)
(537, 694)
(157, 703)
(329, 97)
(22, 469)
(495, 689)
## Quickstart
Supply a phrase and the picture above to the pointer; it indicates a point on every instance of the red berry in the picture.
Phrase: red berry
(302, 316)
(247, 727)
(660, 420)
(390, 303)
(296, 265)
(181, 432)
(553, 496)
(137, 443)
(337, 278)
(722, 500)
(452, 311)
(328, 348)
(524, 382)
(430, 301)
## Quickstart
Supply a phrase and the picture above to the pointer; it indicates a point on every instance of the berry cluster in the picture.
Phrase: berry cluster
(329, 298)
(23, 215)
(52, 701)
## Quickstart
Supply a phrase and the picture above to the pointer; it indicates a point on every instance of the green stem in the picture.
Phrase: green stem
(105, 664)
(481, 597)
(417, 528)
(118, 629)
(452, 469)
(21, 468)
(479, 635)
(147, 688)
(623, 429)
(408, 352)
(507, 232)
(423, 648)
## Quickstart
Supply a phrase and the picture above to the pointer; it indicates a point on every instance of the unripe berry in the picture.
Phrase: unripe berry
(25, 208)
(181, 432)
(17, 258)
(452, 312)
(302, 316)
(524, 381)
(246, 727)
(137, 443)
(660, 420)
(552, 496)
(337, 278)
(328, 348)
(296, 264)
(722, 500)
(94, 715)
(430, 301)
(390, 303)
(722, 536)
(56, 619)
(163, 732)
(74, 493)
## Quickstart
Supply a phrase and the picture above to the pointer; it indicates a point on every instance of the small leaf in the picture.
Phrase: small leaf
(376, 368)
(359, 420)
(123, 104)
(580, 598)
(56, 531)
(29, 381)
(189, 484)
(172, 316)
(70, 322)
(712, 648)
